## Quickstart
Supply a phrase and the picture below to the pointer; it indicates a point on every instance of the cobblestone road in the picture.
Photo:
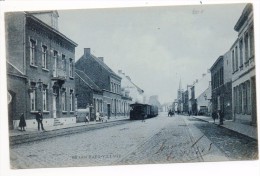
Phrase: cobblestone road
(235, 146)
(157, 140)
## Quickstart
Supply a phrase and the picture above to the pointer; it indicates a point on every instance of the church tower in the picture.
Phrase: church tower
(180, 97)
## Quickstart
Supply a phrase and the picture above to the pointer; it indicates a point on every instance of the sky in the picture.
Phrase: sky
(155, 46)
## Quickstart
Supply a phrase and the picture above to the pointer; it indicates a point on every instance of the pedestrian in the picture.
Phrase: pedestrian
(220, 116)
(39, 119)
(214, 116)
(22, 122)
(97, 117)
(87, 119)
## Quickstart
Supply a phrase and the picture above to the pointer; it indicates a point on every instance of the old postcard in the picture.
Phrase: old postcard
(130, 85)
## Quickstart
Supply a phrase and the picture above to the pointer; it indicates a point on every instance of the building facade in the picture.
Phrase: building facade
(89, 97)
(131, 89)
(200, 88)
(40, 72)
(243, 69)
(107, 80)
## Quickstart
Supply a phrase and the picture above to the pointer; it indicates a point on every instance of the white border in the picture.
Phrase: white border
(237, 168)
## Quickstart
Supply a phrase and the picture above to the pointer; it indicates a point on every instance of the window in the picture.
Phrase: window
(63, 100)
(240, 98)
(251, 38)
(233, 61)
(32, 52)
(55, 57)
(244, 98)
(246, 47)
(241, 52)
(71, 68)
(237, 95)
(221, 76)
(112, 105)
(44, 56)
(44, 98)
(248, 97)
(236, 57)
(235, 99)
(71, 100)
(115, 105)
(33, 96)
(63, 62)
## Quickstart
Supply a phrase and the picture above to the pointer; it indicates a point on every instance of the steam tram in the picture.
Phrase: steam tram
(142, 111)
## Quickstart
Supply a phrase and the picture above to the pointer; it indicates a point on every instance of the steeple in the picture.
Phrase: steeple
(180, 86)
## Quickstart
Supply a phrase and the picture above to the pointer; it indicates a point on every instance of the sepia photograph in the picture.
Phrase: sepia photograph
(130, 85)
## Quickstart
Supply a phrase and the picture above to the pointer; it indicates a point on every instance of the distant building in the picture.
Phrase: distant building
(243, 67)
(40, 69)
(180, 98)
(89, 95)
(131, 89)
(222, 86)
(108, 81)
(198, 104)
(153, 100)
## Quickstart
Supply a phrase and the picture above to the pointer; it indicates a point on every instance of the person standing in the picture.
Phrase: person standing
(220, 116)
(22, 122)
(39, 119)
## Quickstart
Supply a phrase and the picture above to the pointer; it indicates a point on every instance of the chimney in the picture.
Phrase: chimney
(128, 78)
(86, 51)
(101, 58)
(119, 71)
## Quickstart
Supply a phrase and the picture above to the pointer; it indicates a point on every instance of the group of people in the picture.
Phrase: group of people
(171, 113)
(218, 115)
(39, 118)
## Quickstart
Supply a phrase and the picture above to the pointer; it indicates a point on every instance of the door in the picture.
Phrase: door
(108, 111)
(54, 110)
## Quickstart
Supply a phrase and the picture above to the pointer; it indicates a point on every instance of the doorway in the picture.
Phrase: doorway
(108, 111)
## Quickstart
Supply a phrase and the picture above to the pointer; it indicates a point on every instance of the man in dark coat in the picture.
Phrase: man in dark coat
(39, 119)
(22, 122)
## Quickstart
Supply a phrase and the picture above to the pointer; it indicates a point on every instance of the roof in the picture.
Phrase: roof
(29, 15)
(87, 80)
(44, 11)
(215, 63)
(243, 17)
(13, 70)
(101, 63)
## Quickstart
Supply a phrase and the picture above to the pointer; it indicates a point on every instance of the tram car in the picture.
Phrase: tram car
(142, 111)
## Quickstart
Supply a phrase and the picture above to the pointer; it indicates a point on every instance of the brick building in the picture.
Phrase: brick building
(243, 69)
(221, 84)
(107, 80)
(40, 69)
(89, 95)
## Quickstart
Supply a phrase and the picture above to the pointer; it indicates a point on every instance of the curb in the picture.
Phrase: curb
(222, 126)
(36, 136)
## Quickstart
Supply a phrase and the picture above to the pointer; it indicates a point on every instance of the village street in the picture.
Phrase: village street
(161, 139)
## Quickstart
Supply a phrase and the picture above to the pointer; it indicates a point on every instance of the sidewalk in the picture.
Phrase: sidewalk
(17, 132)
(250, 131)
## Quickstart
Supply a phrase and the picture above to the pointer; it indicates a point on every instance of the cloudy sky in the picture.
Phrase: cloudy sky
(155, 46)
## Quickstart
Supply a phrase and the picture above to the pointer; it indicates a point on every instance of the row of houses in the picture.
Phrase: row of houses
(42, 74)
(233, 74)
(229, 85)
